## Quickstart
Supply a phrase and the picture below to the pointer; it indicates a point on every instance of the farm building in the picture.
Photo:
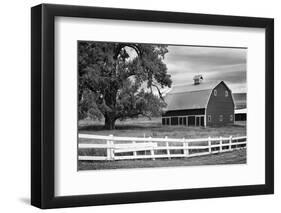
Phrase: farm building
(240, 114)
(199, 104)
(240, 102)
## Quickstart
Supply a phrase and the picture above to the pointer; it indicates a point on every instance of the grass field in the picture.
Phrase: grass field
(234, 157)
(153, 128)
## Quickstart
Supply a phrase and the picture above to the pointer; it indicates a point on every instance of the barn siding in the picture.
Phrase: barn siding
(220, 105)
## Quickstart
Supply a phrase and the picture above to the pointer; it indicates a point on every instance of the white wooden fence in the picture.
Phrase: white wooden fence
(126, 148)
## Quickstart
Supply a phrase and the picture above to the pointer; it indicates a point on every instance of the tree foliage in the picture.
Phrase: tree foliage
(115, 85)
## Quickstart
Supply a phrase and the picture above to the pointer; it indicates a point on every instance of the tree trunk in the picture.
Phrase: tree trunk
(109, 122)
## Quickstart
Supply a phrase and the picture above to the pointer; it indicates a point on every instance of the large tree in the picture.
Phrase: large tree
(119, 80)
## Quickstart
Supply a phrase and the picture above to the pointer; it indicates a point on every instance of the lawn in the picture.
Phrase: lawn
(234, 157)
(153, 128)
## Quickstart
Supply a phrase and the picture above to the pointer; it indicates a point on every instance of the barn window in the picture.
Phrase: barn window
(174, 120)
(191, 120)
(215, 92)
(167, 121)
(181, 121)
(231, 117)
(226, 93)
(184, 120)
(221, 117)
(209, 118)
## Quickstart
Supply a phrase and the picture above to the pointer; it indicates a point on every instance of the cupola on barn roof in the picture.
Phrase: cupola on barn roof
(197, 79)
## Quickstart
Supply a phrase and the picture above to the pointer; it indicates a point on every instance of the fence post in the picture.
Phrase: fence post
(185, 148)
(152, 149)
(167, 147)
(134, 153)
(110, 150)
(220, 144)
(230, 142)
(209, 144)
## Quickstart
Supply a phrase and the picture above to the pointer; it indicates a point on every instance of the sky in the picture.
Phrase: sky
(213, 63)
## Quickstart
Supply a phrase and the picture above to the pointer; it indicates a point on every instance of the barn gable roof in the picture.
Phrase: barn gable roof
(190, 96)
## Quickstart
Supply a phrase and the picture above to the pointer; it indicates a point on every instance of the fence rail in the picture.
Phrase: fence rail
(106, 148)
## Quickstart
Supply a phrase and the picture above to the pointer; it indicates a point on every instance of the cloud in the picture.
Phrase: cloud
(214, 63)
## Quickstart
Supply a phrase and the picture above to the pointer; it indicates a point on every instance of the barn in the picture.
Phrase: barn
(199, 104)
(240, 101)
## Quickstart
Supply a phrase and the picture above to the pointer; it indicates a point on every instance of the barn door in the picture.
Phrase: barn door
(197, 123)
(202, 121)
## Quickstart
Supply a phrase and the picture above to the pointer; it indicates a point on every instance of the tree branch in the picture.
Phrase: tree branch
(122, 45)
(159, 92)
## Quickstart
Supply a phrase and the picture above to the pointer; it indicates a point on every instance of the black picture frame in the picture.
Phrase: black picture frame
(43, 102)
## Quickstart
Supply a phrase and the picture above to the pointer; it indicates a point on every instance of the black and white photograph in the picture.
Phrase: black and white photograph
(160, 105)
(142, 105)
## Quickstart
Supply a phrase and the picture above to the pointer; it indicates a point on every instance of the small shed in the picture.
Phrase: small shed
(199, 104)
